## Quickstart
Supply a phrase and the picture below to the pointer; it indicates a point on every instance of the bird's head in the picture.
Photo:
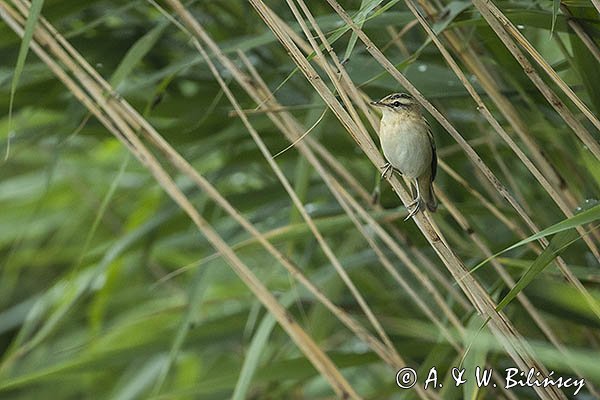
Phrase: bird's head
(398, 102)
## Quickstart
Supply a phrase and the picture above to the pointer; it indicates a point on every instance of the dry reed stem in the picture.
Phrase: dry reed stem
(596, 4)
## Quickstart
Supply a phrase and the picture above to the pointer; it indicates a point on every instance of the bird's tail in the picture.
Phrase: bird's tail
(426, 192)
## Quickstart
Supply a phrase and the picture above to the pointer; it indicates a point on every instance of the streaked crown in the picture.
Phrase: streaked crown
(397, 101)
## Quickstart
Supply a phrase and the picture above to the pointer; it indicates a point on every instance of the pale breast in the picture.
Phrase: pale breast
(406, 146)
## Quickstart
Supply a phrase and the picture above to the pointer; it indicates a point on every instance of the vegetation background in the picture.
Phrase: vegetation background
(156, 241)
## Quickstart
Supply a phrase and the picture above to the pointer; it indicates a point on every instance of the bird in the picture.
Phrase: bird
(409, 148)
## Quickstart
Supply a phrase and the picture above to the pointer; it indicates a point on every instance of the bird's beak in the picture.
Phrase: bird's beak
(375, 103)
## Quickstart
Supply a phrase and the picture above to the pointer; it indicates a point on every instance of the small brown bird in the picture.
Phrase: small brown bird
(408, 146)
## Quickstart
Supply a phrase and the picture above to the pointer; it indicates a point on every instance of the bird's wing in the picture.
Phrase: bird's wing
(433, 151)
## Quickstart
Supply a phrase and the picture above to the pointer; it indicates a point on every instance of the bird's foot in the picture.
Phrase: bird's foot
(416, 205)
(387, 169)
(413, 203)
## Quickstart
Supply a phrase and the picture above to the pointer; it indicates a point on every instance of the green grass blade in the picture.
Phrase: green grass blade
(137, 52)
(557, 245)
(365, 8)
(555, 8)
(474, 358)
(198, 290)
(256, 349)
(582, 218)
(34, 13)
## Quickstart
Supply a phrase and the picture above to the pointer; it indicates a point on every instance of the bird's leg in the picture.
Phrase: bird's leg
(387, 168)
(415, 194)
(416, 203)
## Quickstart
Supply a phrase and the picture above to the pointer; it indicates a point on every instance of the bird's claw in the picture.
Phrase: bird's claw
(417, 204)
(387, 168)
(413, 203)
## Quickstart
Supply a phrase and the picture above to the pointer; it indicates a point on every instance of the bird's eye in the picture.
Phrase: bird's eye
(396, 104)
